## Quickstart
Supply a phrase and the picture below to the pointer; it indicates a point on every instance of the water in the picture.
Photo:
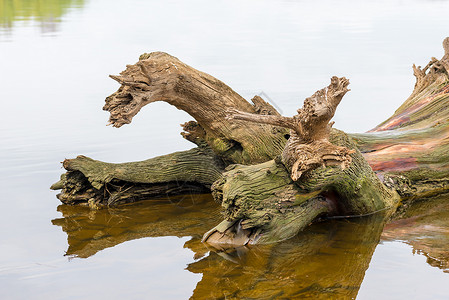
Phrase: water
(54, 60)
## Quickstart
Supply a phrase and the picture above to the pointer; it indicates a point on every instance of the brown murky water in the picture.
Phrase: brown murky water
(54, 60)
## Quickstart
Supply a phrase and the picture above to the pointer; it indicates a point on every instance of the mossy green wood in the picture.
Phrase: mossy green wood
(262, 204)
(359, 189)
(99, 183)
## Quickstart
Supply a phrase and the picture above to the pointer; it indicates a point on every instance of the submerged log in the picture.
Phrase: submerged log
(271, 188)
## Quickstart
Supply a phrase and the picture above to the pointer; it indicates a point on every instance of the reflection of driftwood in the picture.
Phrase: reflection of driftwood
(89, 231)
(318, 171)
(425, 227)
(326, 261)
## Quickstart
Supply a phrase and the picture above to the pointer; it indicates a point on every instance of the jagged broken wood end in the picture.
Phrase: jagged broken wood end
(308, 146)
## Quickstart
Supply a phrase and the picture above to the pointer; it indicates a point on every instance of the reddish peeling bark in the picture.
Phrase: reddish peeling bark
(416, 137)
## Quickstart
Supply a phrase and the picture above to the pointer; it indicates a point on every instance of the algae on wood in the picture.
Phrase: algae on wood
(99, 183)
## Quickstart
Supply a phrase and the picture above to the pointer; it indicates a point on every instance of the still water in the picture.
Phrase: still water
(54, 60)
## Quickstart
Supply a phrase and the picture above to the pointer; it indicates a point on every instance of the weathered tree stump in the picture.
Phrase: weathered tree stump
(273, 175)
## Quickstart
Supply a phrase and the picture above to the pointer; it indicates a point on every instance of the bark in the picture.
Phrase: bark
(308, 146)
(328, 174)
(262, 204)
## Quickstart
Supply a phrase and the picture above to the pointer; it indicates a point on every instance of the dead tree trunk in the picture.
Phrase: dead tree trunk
(278, 186)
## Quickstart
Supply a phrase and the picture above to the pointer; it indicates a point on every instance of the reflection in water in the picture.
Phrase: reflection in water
(326, 260)
(425, 227)
(47, 12)
(90, 231)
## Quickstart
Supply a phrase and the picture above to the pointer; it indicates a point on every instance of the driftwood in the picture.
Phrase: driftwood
(273, 175)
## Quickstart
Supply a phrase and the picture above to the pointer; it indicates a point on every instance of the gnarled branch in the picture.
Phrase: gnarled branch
(308, 146)
(159, 76)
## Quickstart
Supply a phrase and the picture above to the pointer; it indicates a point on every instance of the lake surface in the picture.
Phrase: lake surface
(54, 60)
